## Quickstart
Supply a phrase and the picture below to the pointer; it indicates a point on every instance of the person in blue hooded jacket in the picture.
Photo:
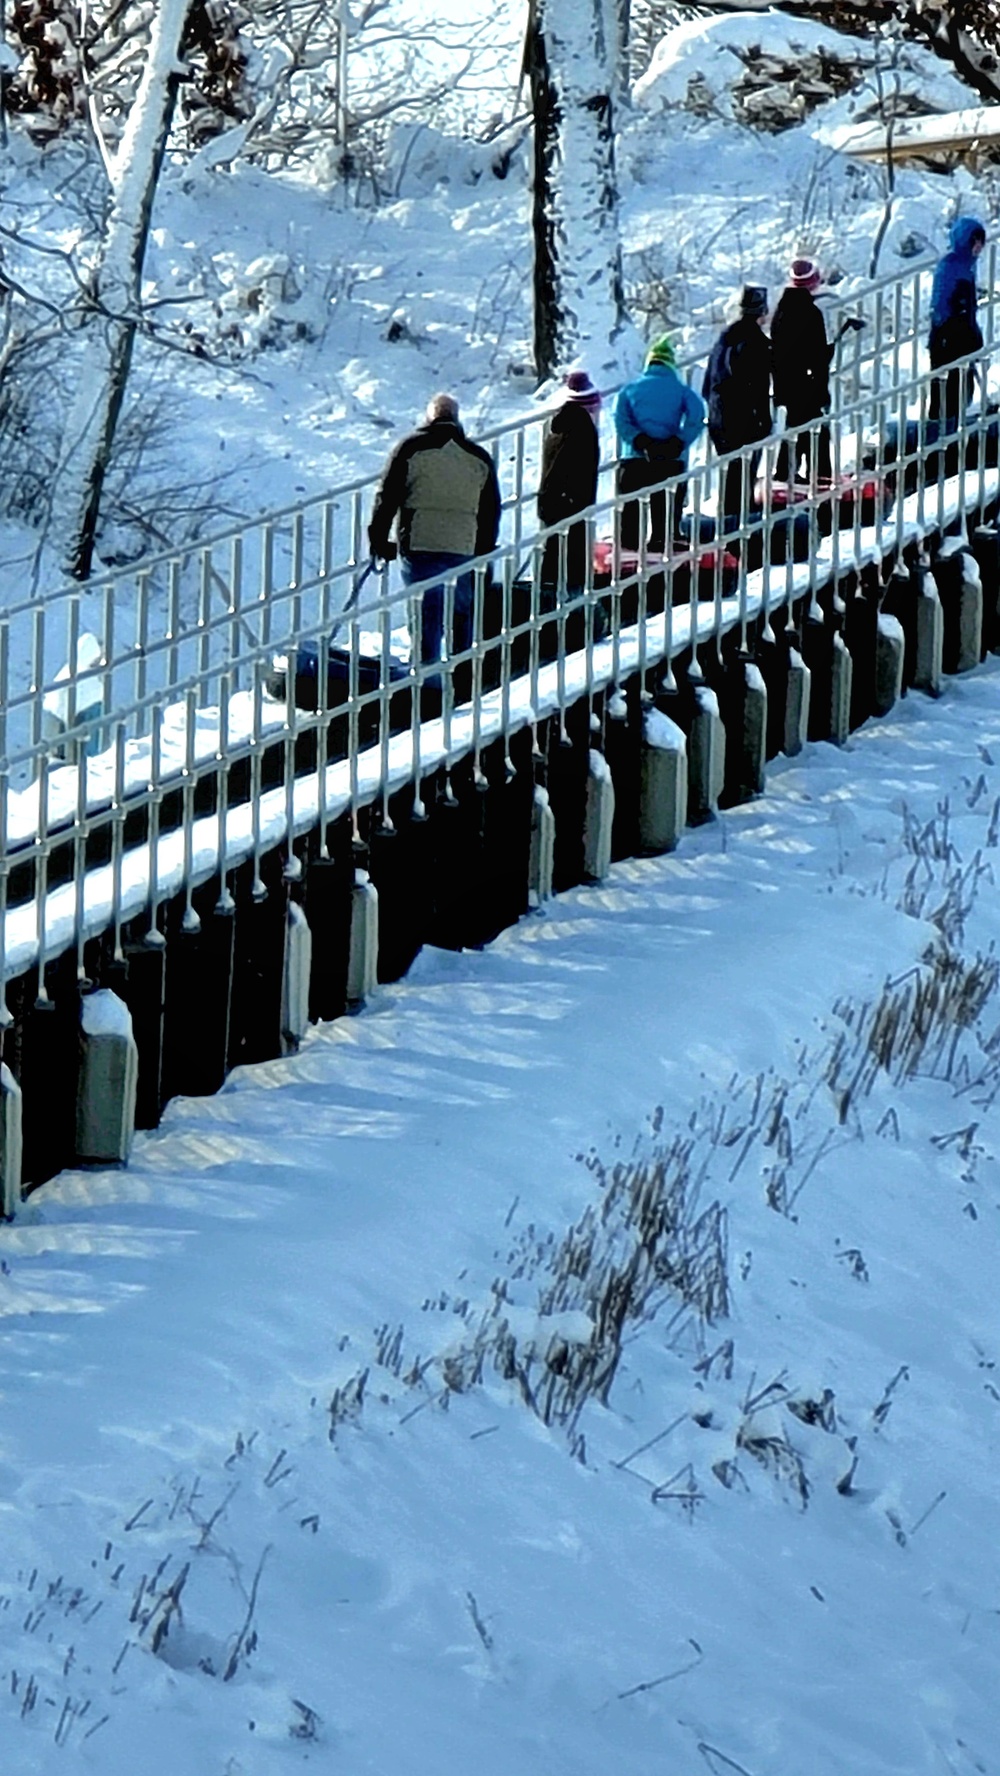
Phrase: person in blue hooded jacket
(657, 418)
(955, 331)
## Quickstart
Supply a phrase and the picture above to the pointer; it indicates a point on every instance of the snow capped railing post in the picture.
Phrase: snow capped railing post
(11, 1143)
(107, 1080)
(929, 632)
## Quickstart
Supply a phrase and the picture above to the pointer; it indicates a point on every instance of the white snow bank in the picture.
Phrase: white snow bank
(712, 53)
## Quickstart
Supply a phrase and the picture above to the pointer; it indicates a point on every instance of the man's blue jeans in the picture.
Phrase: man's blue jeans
(421, 565)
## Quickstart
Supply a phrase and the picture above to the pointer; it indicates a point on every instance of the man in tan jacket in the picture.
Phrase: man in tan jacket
(443, 494)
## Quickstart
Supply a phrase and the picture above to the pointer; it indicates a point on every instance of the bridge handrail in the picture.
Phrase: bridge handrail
(149, 615)
(867, 351)
(79, 799)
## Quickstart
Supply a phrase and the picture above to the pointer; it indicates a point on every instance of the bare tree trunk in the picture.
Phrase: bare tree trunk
(623, 22)
(114, 293)
(578, 297)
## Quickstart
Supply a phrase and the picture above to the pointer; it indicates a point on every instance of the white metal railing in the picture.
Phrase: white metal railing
(173, 699)
(151, 623)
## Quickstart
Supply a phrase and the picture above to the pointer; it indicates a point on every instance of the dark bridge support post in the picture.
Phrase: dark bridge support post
(399, 864)
(830, 665)
(960, 589)
(198, 1000)
(296, 973)
(927, 667)
(11, 1142)
(327, 899)
(788, 684)
(622, 746)
(362, 950)
(743, 707)
(258, 962)
(143, 989)
(889, 657)
(599, 816)
(663, 780)
(899, 602)
(861, 638)
(986, 549)
(567, 767)
(47, 1065)
(107, 1078)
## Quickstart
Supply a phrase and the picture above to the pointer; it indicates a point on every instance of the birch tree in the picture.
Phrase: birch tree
(579, 304)
(110, 312)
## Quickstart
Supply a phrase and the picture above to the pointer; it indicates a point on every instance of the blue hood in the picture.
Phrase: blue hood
(965, 231)
(953, 295)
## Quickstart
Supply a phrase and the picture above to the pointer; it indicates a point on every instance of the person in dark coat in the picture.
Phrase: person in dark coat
(955, 331)
(657, 418)
(801, 355)
(442, 492)
(570, 458)
(737, 388)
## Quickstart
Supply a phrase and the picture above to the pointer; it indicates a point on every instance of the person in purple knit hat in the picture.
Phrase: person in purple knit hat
(568, 485)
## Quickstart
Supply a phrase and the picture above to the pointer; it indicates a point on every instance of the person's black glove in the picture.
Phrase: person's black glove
(658, 450)
(386, 551)
(853, 324)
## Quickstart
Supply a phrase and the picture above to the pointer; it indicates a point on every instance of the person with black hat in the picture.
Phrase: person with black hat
(737, 388)
(568, 484)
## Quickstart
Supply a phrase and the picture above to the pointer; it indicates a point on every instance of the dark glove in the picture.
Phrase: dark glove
(386, 551)
(658, 450)
(853, 324)
(664, 450)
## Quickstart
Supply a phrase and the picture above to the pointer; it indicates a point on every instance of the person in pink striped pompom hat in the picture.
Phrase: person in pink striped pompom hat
(801, 355)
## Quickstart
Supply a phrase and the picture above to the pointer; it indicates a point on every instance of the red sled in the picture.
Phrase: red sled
(848, 492)
(713, 561)
(783, 494)
(838, 494)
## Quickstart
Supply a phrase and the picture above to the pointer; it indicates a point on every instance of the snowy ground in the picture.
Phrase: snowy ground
(773, 1548)
(692, 1574)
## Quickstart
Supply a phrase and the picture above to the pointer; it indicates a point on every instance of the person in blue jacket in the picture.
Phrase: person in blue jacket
(955, 331)
(657, 418)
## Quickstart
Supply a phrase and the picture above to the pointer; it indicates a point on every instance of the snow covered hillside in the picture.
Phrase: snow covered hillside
(586, 1359)
(303, 329)
(374, 1420)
